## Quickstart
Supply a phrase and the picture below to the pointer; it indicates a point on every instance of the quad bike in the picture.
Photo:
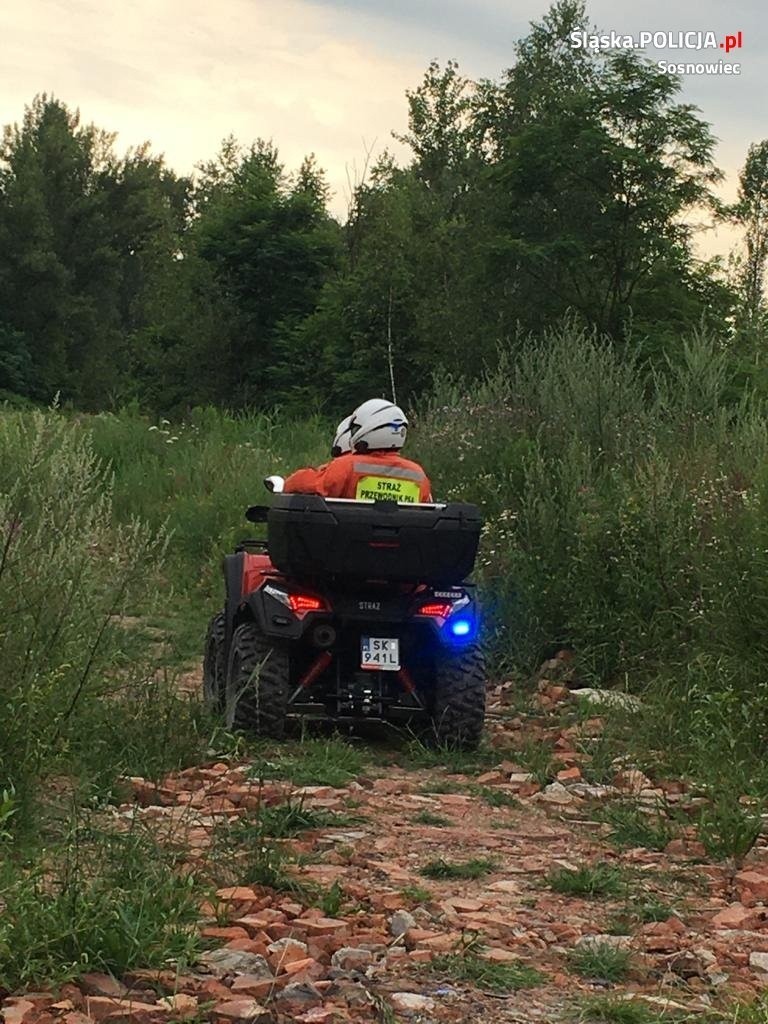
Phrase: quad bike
(351, 611)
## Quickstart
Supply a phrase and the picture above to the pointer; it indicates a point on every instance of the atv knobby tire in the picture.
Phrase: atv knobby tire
(258, 677)
(458, 708)
(214, 663)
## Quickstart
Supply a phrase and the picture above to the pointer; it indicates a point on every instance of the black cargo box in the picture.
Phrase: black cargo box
(311, 536)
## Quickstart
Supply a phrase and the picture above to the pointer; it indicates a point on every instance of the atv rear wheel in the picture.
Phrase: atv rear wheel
(214, 663)
(257, 686)
(458, 709)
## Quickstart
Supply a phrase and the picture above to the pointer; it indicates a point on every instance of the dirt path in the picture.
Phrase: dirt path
(447, 897)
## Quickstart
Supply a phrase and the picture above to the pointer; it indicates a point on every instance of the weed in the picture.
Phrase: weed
(494, 797)
(612, 1010)
(106, 901)
(293, 817)
(242, 854)
(8, 807)
(599, 769)
(752, 1012)
(474, 968)
(727, 828)
(593, 880)
(637, 912)
(537, 759)
(650, 910)
(632, 826)
(332, 900)
(313, 762)
(441, 786)
(415, 894)
(440, 868)
(384, 1012)
(600, 960)
(453, 759)
(428, 818)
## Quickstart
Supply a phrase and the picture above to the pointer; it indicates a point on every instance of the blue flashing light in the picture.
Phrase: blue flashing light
(461, 627)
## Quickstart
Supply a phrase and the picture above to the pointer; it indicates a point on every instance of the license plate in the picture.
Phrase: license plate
(381, 653)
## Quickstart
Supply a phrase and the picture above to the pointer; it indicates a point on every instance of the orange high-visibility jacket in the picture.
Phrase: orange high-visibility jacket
(379, 474)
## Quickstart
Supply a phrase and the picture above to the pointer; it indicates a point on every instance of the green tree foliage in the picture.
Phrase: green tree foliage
(751, 212)
(269, 246)
(568, 189)
(594, 172)
(82, 234)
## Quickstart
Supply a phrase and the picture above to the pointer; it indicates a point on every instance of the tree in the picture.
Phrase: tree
(595, 169)
(751, 213)
(85, 238)
(269, 244)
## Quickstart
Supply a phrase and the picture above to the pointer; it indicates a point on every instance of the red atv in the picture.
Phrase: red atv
(358, 612)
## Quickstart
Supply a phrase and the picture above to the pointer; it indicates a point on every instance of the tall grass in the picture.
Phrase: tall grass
(625, 508)
(625, 515)
(69, 570)
(101, 900)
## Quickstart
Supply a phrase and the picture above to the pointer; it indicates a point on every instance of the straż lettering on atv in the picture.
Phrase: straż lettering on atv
(325, 620)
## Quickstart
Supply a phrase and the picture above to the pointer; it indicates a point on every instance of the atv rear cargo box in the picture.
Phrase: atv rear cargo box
(312, 536)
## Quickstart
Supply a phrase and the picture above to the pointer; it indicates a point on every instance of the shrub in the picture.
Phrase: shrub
(595, 880)
(102, 901)
(600, 960)
(475, 868)
(67, 572)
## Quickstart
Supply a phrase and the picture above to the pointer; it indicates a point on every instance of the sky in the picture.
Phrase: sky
(327, 76)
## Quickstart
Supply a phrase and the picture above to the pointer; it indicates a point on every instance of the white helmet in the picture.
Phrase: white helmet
(341, 443)
(377, 424)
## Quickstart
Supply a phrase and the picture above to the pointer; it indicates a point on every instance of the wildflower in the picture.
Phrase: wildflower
(153, 428)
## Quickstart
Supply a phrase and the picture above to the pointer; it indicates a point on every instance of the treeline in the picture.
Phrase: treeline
(570, 187)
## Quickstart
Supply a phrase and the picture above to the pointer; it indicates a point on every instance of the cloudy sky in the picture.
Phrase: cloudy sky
(323, 76)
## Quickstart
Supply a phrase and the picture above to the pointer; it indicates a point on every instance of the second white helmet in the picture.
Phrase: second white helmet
(377, 425)
(341, 442)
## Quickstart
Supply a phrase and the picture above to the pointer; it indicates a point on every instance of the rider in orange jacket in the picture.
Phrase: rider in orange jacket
(304, 481)
(372, 466)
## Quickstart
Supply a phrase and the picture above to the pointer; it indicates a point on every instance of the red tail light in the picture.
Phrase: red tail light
(436, 611)
(306, 603)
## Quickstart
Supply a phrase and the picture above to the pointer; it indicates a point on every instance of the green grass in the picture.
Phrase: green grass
(600, 960)
(472, 968)
(494, 797)
(442, 786)
(752, 1012)
(331, 900)
(637, 912)
(727, 829)
(313, 762)
(434, 820)
(416, 894)
(612, 1010)
(454, 760)
(293, 817)
(631, 826)
(105, 902)
(476, 868)
(536, 758)
(242, 854)
(594, 880)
